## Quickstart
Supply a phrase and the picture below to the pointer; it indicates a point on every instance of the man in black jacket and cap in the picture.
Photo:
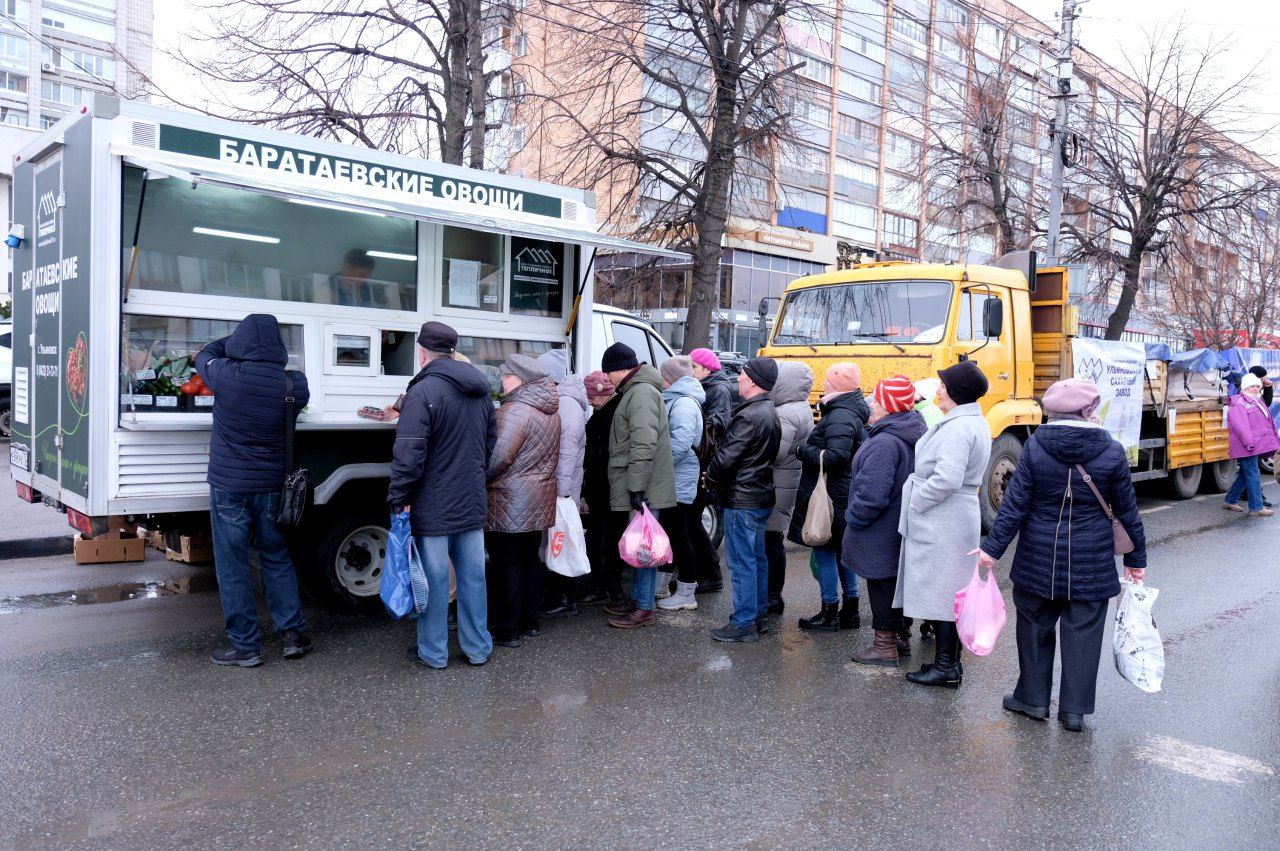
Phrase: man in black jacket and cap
(246, 373)
(445, 435)
(740, 478)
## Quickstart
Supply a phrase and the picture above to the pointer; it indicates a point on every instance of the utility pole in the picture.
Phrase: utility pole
(1058, 133)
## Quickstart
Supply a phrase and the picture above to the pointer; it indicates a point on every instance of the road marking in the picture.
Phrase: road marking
(1203, 762)
(1154, 508)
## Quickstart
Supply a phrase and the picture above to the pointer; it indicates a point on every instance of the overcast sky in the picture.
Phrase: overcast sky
(1250, 28)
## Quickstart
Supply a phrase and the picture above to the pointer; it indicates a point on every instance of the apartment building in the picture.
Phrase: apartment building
(882, 91)
(53, 55)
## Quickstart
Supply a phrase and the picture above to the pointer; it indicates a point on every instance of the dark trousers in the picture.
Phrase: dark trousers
(1082, 622)
(603, 531)
(775, 550)
(675, 522)
(704, 553)
(884, 617)
(514, 582)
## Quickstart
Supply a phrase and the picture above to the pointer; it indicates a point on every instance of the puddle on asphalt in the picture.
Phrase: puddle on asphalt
(107, 594)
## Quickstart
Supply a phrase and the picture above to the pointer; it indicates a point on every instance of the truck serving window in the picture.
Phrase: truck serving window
(872, 312)
(212, 240)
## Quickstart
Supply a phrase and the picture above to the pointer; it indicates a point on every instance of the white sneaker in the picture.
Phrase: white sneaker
(663, 588)
(683, 598)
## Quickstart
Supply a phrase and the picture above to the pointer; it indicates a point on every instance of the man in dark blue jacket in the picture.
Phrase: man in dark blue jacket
(246, 373)
(445, 435)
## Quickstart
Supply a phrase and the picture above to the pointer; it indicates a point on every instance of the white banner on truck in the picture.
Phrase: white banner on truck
(1119, 370)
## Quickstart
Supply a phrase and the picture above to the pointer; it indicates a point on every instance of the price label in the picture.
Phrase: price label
(135, 399)
(166, 401)
(20, 455)
(144, 375)
(203, 401)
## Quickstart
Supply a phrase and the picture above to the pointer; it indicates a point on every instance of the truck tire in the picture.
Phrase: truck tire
(1184, 482)
(713, 522)
(1005, 452)
(6, 417)
(1217, 476)
(347, 566)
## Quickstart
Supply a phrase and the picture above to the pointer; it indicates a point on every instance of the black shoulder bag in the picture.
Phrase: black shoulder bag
(296, 492)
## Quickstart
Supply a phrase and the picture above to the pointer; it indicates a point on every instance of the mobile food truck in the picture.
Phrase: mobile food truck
(145, 233)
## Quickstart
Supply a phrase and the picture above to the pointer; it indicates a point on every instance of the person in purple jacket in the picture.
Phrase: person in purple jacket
(1251, 435)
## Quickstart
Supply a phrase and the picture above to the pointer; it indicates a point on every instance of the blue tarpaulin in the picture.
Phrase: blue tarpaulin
(1241, 359)
(1198, 360)
(1159, 351)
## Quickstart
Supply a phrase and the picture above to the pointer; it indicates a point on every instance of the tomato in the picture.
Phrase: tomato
(197, 380)
(205, 391)
(189, 388)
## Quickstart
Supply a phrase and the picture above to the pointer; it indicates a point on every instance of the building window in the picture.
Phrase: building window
(862, 45)
(12, 115)
(859, 87)
(17, 9)
(12, 82)
(814, 69)
(947, 47)
(522, 45)
(71, 61)
(216, 241)
(908, 27)
(472, 270)
(47, 121)
(80, 25)
(816, 114)
(899, 230)
(13, 48)
(865, 175)
(901, 152)
(855, 221)
(63, 93)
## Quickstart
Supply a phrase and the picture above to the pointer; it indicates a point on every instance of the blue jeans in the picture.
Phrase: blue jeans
(1248, 478)
(233, 517)
(829, 567)
(466, 551)
(644, 583)
(748, 565)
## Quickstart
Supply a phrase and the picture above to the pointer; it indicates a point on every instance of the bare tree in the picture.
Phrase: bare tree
(1165, 160)
(675, 110)
(1229, 294)
(982, 114)
(407, 75)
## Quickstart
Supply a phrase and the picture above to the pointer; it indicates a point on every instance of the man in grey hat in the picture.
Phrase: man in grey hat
(522, 497)
(444, 440)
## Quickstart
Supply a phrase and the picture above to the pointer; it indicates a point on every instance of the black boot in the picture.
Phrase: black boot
(849, 618)
(776, 605)
(945, 669)
(827, 620)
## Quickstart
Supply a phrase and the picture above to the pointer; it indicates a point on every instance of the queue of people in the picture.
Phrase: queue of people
(901, 467)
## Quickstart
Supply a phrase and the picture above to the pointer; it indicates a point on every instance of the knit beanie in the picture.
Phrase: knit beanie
(618, 357)
(763, 372)
(965, 382)
(598, 384)
(706, 359)
(843, 377)
(1250, 380)
(895, 394)
(675, 368)
(1074, 396)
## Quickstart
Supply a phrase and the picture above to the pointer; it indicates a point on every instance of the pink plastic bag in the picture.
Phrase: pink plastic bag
(644, 544)
(979, 609)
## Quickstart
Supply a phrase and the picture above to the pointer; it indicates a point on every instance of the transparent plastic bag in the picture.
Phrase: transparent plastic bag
(979, 611)
(1135, 642)
(644, 544)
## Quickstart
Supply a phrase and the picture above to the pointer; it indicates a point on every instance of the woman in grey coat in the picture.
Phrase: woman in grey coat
(941, 522)
(791, 399)
(558, 600)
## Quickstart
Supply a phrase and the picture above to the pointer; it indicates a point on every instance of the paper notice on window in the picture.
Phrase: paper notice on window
(464, 283)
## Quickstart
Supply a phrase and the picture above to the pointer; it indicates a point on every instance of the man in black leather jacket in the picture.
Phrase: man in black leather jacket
(740, 478)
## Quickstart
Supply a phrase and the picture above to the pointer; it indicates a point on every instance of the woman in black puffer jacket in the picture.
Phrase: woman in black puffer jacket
(838, 434)
(1064, 568)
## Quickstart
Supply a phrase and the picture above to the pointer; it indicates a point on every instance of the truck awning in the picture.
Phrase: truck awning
(372, 199)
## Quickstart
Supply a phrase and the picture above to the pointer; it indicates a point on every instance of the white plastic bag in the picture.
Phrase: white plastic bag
(565, 545)
(1139, 653)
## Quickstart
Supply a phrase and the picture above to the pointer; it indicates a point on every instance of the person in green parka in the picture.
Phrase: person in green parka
(926, 393)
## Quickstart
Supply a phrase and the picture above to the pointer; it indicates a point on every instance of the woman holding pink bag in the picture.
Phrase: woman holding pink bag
(1073, 476)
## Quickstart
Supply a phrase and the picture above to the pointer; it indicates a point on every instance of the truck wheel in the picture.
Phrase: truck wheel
(1005, 452)
(6, 419)
(1184, 481)
(713, 522)
(1217, 476)
(1267, 465)
(348, 563)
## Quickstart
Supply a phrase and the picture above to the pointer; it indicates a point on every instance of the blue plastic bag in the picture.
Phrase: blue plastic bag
(404, 582)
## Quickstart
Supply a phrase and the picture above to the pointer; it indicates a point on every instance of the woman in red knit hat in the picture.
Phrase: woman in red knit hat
(871, 541)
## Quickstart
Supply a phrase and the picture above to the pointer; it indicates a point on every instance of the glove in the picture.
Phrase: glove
(637, 500)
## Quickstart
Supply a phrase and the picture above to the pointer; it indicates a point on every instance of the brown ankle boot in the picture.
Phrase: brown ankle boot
(883, 651)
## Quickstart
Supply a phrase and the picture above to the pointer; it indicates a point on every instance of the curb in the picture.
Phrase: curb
(36, 547)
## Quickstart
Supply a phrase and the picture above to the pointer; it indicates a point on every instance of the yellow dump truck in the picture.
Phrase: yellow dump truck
(917, 318)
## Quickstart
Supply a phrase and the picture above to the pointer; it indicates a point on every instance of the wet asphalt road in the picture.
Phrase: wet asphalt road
(118, 733)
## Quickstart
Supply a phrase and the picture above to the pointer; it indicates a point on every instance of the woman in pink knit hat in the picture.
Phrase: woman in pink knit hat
(716, 407)
(831, 444)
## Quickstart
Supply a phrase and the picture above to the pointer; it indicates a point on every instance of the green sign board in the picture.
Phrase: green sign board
(419, 184)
